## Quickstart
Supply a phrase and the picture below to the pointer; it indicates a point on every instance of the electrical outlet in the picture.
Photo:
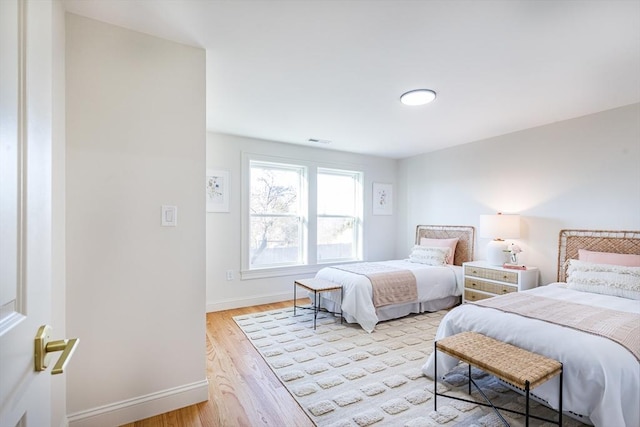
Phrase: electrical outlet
(229, 274)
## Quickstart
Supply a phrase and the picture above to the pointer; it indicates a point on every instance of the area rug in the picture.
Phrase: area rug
(343, 376)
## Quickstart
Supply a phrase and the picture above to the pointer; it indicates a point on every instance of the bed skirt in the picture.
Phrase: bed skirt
(399, 310)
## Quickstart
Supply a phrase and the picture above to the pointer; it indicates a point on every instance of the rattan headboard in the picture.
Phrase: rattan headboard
(621, 242)
(465, 234)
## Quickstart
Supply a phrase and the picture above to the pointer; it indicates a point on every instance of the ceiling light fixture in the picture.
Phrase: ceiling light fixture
(418, 97)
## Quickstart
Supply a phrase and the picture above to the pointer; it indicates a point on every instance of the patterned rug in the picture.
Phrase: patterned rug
(343, 376)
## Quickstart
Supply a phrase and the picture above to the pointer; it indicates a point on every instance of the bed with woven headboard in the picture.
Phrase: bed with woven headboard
(589, 320)
(429, 280)
(571, 242)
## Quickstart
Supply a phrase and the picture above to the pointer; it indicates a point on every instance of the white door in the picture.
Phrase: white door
(25, 208)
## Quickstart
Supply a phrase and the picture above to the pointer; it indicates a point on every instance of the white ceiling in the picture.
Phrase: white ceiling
(331, 69)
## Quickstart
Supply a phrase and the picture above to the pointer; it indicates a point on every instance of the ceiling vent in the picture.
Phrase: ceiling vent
(319, 141)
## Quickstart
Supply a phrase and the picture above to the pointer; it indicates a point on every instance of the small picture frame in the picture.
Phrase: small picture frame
(382, 199)
(217, 190)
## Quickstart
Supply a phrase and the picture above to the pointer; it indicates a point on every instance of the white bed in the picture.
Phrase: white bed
(601, 377)
(438, 287)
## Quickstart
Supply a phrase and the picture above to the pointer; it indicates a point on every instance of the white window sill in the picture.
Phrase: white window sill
(264, 273)
(297, 270)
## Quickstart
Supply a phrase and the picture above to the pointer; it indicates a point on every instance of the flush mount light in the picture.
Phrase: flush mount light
(418, 97)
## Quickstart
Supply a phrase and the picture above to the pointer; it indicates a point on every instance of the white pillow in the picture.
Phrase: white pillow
(607, 279)
(429, 255)
(450, 243)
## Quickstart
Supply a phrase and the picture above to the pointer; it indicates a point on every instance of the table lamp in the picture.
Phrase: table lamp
(499, 227)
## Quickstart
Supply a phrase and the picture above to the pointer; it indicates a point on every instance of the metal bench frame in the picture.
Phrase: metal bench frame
(488, 403)
(316, 286)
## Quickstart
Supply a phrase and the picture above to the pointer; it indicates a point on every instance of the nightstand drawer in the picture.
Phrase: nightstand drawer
(475, 296)
(494, 288)
(483, 280)
(487, 273)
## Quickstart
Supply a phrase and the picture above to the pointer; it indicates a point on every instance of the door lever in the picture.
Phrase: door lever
(44, 347)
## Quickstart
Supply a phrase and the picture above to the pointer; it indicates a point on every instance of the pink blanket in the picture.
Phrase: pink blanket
(390, 285)
(619, 326)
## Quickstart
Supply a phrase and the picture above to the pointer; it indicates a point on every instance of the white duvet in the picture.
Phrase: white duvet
(601, 378)
(434, 282)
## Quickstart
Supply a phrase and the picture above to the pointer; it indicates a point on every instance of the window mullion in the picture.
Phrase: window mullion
(277, 215)
(312, 215)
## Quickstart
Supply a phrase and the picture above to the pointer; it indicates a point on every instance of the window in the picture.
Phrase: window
(277, 216)
(339, 211)
(298, 214)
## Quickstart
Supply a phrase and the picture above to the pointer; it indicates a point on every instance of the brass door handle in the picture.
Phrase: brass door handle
(44, 346)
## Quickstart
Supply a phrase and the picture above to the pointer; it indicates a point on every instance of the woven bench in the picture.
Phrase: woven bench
(516, 366)
(317, 286)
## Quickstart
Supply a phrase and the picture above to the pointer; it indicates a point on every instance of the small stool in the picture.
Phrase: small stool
(514, 365)
(317, 286)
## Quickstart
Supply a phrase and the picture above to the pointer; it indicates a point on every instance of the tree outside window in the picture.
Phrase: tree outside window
(276, 215)
(301, 215)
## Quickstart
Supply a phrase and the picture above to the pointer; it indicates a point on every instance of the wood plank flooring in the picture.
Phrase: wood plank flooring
(243, 391)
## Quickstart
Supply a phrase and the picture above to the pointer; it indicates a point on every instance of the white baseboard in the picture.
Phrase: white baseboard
(248, 302)
(141, 407)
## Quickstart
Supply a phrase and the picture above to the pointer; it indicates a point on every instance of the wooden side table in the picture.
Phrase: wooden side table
(317, 286)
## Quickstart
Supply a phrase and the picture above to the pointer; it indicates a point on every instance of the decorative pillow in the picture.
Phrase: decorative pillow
(607, 279)
(628, 260)
(435, 243)
(429, 255)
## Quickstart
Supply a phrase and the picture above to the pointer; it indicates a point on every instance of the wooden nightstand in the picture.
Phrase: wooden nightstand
(482, 280)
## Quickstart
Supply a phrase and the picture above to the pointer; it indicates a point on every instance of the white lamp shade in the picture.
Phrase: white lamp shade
(500, 226)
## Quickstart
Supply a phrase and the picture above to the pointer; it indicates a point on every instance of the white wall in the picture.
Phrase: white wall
(580, 174)
(223, 229)
(135, 290)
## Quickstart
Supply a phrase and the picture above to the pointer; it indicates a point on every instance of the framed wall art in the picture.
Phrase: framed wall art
(217, 190)
(382, 199)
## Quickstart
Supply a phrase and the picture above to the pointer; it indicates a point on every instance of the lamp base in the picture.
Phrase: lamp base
(496, 254)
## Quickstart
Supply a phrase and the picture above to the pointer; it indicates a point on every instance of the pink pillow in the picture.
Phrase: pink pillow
(627, 260)
(448, 243)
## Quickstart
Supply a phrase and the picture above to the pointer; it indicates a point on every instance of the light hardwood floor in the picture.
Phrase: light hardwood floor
(243, 391)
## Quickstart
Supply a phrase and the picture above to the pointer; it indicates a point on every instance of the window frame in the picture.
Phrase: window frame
(302, 214)
(357, 177)
(309, 204)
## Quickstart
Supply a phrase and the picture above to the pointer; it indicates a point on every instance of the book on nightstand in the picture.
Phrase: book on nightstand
(514, 266)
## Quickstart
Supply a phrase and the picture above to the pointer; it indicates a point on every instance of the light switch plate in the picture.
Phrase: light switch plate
(169, 216)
